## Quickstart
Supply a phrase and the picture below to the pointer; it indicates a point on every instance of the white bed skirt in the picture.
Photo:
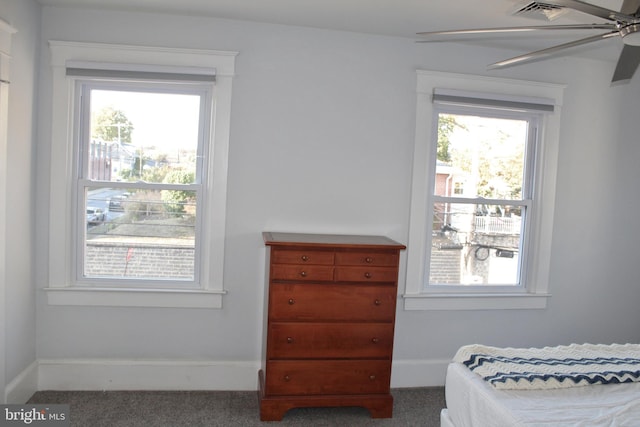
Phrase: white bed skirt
(445, 420)
(473, 402)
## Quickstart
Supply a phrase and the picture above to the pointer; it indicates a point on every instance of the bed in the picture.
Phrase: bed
(576, 385)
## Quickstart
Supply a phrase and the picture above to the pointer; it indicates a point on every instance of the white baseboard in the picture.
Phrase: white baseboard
(418, 373)
(107, 374)
(22, 387)
(98, 374)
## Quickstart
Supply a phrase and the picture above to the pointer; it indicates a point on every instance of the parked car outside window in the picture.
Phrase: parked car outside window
(95, 215)
(117, 202)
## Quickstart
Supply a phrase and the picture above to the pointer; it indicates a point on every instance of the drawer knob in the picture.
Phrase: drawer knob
(367, 275)
(305, 258)
(376, 302)
(368, 260)
(372, 377)
(291, 301)
(287, 378)
(375, 340)
(289, 340)
(303, 273)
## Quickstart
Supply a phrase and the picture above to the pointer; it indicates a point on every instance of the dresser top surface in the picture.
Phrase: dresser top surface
(305, 239)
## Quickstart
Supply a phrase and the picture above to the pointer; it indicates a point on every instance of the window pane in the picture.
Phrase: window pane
(475, 244)
(480, 157)
(142, 136)
(140, 233)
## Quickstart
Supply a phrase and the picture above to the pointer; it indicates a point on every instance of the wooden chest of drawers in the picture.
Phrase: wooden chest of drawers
(328, 334)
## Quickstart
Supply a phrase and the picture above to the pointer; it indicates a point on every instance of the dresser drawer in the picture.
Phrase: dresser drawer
(367, 258)
(331, 302)
(366, 274)
(330, 340)
(317, 377)
(288, 256)
(322, 273)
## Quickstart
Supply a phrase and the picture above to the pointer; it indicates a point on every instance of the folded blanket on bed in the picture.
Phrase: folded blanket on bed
(553, 367)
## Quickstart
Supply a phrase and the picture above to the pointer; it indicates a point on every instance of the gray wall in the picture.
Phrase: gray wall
(321, 141)
(18, 350)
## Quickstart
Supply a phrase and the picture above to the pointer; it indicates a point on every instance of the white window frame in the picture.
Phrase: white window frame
(535, 291)
(63, 287)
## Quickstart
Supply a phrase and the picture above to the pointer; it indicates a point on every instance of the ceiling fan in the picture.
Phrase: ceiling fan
(624, 24)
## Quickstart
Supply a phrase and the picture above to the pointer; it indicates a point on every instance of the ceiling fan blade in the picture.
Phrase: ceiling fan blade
(515, 30)
(630, 7)
(627, 63)
(548, 51)
(591, 9)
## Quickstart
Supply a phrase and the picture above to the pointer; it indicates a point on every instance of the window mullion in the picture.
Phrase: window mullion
(480, 200)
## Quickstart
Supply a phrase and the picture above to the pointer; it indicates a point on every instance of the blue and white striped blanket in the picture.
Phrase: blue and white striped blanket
(553, 367)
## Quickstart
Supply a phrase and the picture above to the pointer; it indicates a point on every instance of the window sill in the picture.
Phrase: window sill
(118, 297)
(508, 301)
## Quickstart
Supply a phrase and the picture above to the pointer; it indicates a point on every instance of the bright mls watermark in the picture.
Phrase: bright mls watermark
(34, 415)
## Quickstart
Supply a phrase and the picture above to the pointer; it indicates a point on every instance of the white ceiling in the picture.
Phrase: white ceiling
(401, 18)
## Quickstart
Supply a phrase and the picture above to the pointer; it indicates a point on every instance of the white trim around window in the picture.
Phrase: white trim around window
(534, 296)
(62, 288)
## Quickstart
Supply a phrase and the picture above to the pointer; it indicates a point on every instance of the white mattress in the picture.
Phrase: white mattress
(473, 402)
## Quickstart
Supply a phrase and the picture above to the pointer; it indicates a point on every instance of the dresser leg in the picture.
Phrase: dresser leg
(381, 408)
(270, 411)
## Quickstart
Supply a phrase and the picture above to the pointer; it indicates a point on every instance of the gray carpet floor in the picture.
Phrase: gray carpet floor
(419, 407)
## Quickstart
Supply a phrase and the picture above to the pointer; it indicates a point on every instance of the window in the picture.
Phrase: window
(483, 192)
(477, 233)
(138, 180)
